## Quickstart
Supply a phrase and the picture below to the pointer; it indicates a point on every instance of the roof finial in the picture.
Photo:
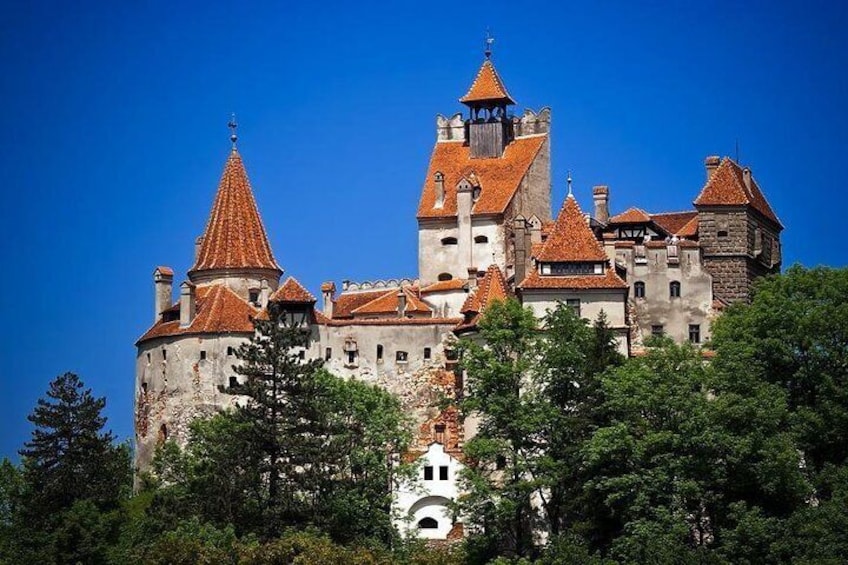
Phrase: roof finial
(568, 180)
(233, 125)
(487, 51)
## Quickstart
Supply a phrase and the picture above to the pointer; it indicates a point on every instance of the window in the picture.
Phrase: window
(234, 382)
(230, 351)
(203, 355)
(328, 354)
(301, 354)
(566, 269)
(144, 388)
(574, 304)
(164, 354)
(445, 276)
(440, 433)
(639, 289)
(694, 333)
(379, 353)
(427, 353)
(148, 357)
(428, 472)
(253, 295)
(163, 433)
(722, 233)
(428, 524)
(481, 239)
(401, 356)
(448, 241)
(351, 357)
(443, 473)
(674, 289)
(500, 462)
(657, 330)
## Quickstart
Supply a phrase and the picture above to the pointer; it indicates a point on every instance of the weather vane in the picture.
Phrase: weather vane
(489, 41)
(233, 125)
(568, 180)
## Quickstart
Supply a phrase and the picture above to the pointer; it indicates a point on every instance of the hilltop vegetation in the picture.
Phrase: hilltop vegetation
(581, 456)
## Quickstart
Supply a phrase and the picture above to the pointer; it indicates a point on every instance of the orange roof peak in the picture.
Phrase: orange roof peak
(235, 237)
(571, 239)
(292, 291)
(487, 87)
(727, 186)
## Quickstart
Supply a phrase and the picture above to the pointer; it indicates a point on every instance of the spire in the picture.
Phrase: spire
(234, 237)
(233, 125)
(571, 239)
(488, 89)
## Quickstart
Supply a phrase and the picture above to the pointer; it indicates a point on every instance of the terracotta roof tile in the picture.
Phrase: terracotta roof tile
(219, 310)
(487, 87)
(491, 287)
(387, 304)
(292, 291)
(167, 271)
(672, 222)
(420, 321)
(346, 303)
(571, 239)
(581, 282)
(631, 216)
(726, 187)
(235, 237)
(498, 177)
(690, 229)
(443, 286)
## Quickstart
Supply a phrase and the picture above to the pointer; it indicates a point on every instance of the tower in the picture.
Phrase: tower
(489, 128)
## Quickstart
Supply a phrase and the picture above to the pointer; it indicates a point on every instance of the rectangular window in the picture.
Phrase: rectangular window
(657, 330)
(694, 333)
(301, 355)
(443, 473)
(379, 353)
(328, 353)
(203, 355)
(351, 357)
(428, 472)
(427, 353)
(440, 433)
(230, 351)
(401, 356)
(164, 354)
(574, 304)
(233, 382)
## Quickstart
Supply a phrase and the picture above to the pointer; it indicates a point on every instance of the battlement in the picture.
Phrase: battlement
(387, 284)
(529, 123)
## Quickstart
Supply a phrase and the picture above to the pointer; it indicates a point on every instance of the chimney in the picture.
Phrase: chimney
(711, 164)
(264, 293)
(163, 279)
(188, 303)
(746, 176)
(401, 304)
(198, 243)
(601, 197)
(472, 278)
(328, 292)
(519, 242)
(439, 178)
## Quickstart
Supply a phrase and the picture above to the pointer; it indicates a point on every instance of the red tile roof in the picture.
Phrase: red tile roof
(726, 187)
(420, 321)
(346, 303)
(167, 271)
(581, 282)
(631, 216)
(571, 239)
(235, 237)
(387, 304)
(219, 310)
(443, 286)
(487, 87)
(672, 222)
(498, 177)
(690, 229)
(292, 291)
(491, 287)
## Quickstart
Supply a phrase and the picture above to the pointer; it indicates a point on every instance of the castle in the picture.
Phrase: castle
(485, 232)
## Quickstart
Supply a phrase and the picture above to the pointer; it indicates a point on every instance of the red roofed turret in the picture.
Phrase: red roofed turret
(487, 88)
(571, 239)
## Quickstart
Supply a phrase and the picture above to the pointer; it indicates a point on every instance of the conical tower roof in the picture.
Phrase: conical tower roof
(235, 237)
(571, 239)
(487, 87)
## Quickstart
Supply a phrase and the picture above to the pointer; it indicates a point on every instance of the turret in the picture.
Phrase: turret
(489, 128)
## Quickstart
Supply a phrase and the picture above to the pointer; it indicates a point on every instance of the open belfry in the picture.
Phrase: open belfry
(485, 233)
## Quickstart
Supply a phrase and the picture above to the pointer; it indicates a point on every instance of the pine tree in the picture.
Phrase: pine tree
(70, 457)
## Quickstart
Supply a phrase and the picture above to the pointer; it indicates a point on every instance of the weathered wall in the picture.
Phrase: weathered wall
(240, 282)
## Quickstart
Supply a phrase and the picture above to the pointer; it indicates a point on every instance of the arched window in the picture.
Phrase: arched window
(674, 289)
(639, 289)
(445, 276)
(448, 241)
(481, 239)
(428, 523)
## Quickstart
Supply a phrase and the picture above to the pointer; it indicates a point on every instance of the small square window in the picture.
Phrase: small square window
(428, 472)
(574, 304)
(694, 333)
(443, 473)
(657, 330)
(254, 296)
(301, 354)
(427, 353)
(722, 233)
(401, 356)
(203, 355)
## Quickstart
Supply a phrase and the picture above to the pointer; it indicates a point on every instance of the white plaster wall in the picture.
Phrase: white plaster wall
(493, 251)
(435, 258)
(446, 304)
(421, 498)
(240, 282)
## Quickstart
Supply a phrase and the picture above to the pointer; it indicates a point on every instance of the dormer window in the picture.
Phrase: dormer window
(570, 269)
(449, 241)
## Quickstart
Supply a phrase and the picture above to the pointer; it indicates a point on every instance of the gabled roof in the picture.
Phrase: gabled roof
(571, 239)
(499, 177)
(487, 87)
(292, 291)
(690, 229)
(387, 303)
(444, 286)
(346, 303)
(219, 310)
(492, 287)
(673, 222)
(726, 187)
(235, 237)
(631, 216)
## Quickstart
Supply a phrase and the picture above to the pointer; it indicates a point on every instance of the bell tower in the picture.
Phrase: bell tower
(488, 129)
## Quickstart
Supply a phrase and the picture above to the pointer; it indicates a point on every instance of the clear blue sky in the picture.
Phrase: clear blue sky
(114, 137)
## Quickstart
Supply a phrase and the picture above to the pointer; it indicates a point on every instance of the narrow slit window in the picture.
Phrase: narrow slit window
(203, 355)
(674, 289)
(328, 353)
(443, 473)
(639, 289)
(379, 352)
